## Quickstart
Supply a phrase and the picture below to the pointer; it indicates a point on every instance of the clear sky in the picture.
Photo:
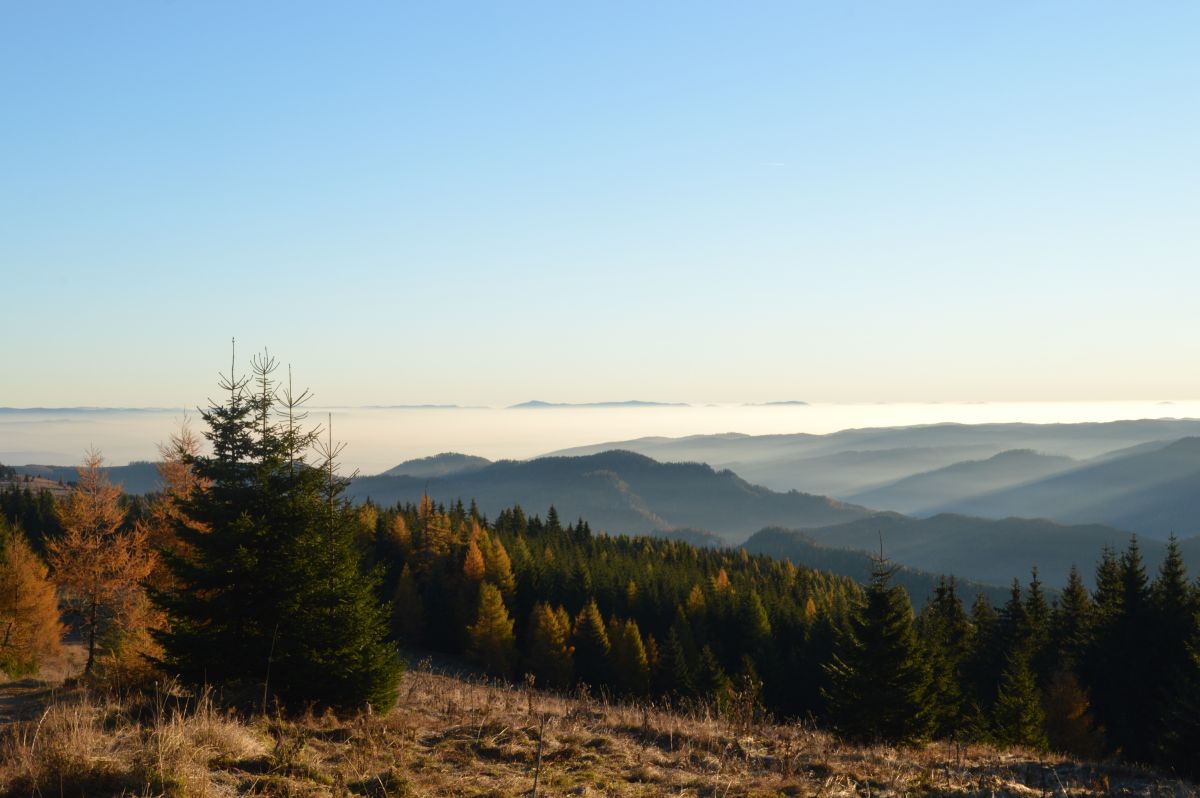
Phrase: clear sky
(482, 203)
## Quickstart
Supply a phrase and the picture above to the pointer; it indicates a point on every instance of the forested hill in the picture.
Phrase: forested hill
(622, 493)
(991, 551)
(797, 547)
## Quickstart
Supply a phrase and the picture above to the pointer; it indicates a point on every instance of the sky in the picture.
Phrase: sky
(485, 203)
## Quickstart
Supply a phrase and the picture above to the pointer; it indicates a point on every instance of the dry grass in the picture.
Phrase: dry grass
(452, 737)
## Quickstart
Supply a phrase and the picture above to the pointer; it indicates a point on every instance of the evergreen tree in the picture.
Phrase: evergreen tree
(1019, 717)
(674, 674)
(711, 682)
(491, 643)
(268, 588)
(1177, 629)
(1071, 622)
(879, 680)
(408, 613)
(945, 634)
(592, 646)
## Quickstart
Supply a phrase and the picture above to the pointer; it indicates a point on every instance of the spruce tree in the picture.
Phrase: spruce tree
(712, 683)
(269, 593)
(592, 647)
(1071, 622)
(879, 679)
(945, 634)
(1019, 717)
(674, 674)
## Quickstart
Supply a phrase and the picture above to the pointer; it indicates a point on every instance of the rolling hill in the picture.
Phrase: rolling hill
(137, 477)
(622, 492)
(438, 465)
(848, 463)
(917, 493)
(991, 551)
(790, 544)
(1154, 493)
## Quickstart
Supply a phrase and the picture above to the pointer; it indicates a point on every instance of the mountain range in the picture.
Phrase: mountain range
(622, 493)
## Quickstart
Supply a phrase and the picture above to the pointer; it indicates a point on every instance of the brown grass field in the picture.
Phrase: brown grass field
(451, 736)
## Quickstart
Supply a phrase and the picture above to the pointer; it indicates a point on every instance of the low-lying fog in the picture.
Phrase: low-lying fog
(379, 438)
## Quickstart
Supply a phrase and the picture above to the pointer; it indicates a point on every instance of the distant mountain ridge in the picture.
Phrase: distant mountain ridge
(794, 545)
(537, 403)
(993, 551)
(137, 477)
(1154, 493)
(621, 493)
(438, 465)
(919, 493)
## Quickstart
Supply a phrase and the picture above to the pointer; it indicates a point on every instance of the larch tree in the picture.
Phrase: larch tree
(550, 652)
(491, 643)
(631, 667)
(30, 627)
(98, 563)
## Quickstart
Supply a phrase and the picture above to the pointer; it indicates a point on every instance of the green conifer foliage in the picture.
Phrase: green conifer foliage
(945, 634)
(272, 595)
(408, 614)
(879, 679)
(674, 674)
(490, 640)
(1071, 622)
(592, 647)
(711, 681)
(1019, 718)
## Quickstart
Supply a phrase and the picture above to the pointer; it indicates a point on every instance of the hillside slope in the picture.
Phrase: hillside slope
(919, 492)
(622, 493)
(991, 551)
(1153, 493)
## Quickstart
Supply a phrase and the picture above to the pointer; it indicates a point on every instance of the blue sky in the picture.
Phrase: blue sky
(482, 203)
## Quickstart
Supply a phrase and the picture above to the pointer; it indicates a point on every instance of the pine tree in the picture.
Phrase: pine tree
(1019, 717)
(273, 592)
(592, 646)
(30, 627)
(1071, 622)
(1175, 607)
(408, 612)
(674, 674)
(879, 680)
(1123, 680)
(491, 643)
(945, 634)
(99, 563)
(712, 684)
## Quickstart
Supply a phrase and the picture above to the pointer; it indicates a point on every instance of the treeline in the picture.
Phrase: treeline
(629, 616)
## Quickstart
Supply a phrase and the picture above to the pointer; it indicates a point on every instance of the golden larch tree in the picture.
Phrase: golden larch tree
(98, 564)
(30, 627)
